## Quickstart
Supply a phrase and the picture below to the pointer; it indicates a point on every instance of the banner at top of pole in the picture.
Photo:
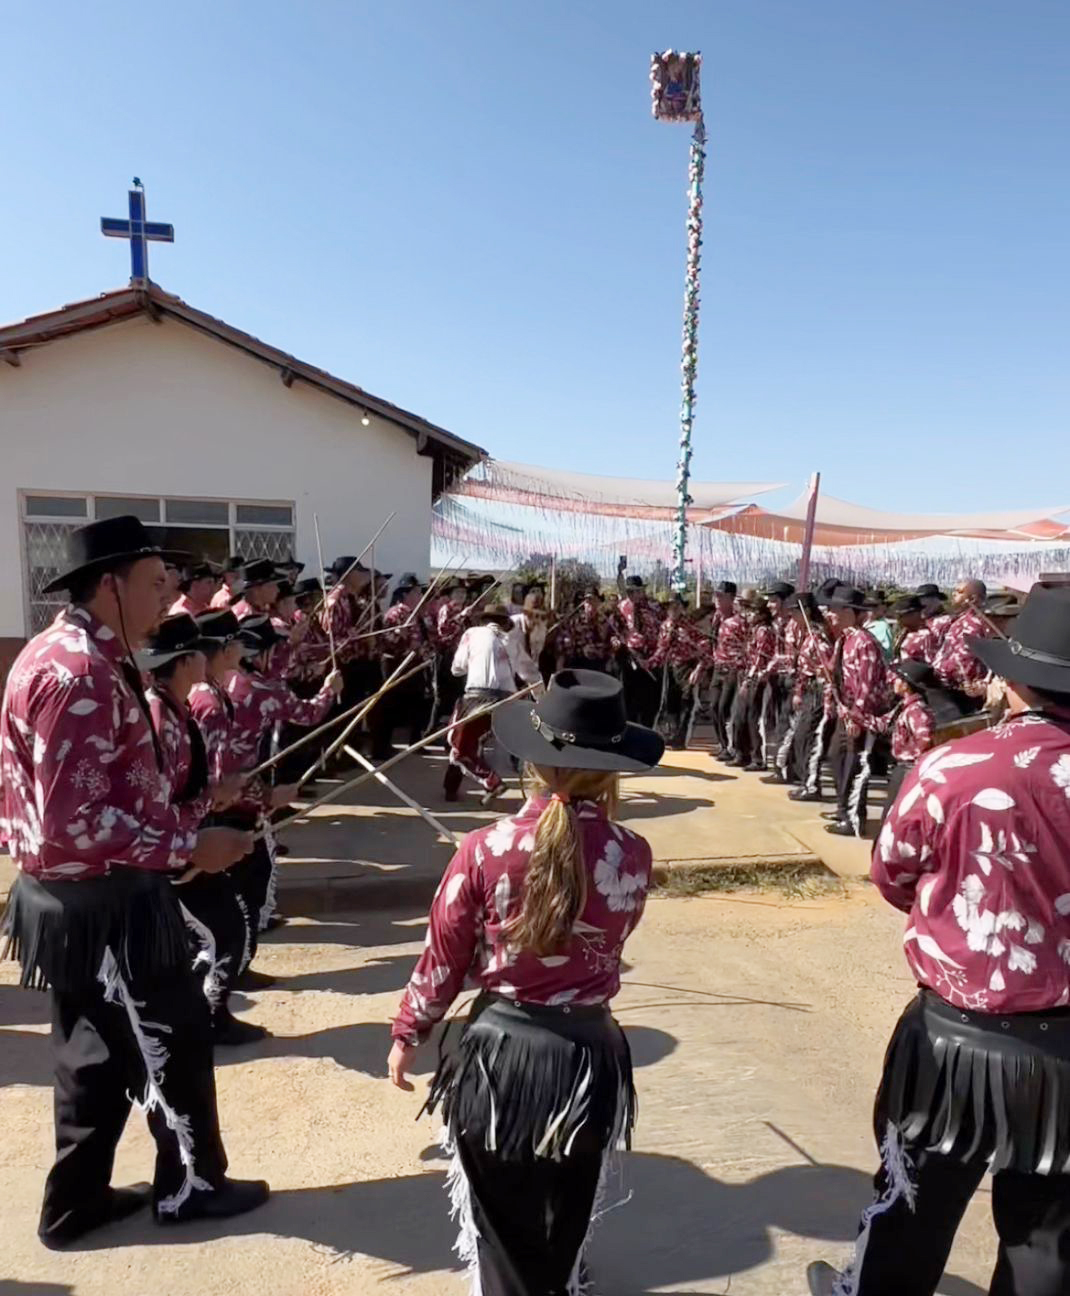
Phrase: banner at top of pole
(674, 80)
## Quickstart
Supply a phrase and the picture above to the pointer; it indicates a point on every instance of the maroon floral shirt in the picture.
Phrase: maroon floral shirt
(975, 851)
(789, 635)
(261, 702)
(642, 625)
(221, 598)
(681, 643)
(761, 650)
(228, 751)
(185, 604)
(912, 729)
(588, 635)
(450, 623)
(82, 790)
(917, 645)
(176, 745)
(954, 663)
(730, 652)
(348, 618)
(482, 889)
(813, 662)
(861, 676)
(407, 633)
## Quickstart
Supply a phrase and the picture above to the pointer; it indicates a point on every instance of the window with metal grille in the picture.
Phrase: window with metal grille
(209, 528)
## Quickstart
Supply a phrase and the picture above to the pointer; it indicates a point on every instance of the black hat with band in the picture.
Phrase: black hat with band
(579, 723)
(103, 546)
(177, 636)
(1038, 655)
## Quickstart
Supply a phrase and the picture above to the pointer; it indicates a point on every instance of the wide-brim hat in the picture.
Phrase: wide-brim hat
(947, 706)
(177, 636)
(290, 561)
(1038, 654)
(804, 600)
(261, 572)
(929, 591)
(635, 582)
(309, 585)
(218, 626)
(258, 633)
(844, 596)
(105, 545)
(778, 589)
(495, 613)
(726, 587)
(907, 605)
(579, 723)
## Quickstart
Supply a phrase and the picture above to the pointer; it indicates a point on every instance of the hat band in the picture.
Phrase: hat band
(1034, 654)
(553, 735)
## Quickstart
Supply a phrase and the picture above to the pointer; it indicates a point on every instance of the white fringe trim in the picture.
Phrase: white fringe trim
(460, 1194)
(268, 907)
(899, 1171)
(154, 1056)
(813, 770)
(247, 946)
(784, 750)
(215, 977)
(858, 787)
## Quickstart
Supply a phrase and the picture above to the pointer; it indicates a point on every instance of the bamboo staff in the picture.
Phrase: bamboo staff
(323, 582)
(354, 783)
(356, 560)
(328, 724)
(391, 680)
(404, 797)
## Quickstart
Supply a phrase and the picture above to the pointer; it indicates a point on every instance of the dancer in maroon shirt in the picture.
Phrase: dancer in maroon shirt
(90, 823)
(977, 1075)
(537, 908)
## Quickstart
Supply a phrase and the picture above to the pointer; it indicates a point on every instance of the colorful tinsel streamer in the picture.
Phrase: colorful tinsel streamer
(675, 91)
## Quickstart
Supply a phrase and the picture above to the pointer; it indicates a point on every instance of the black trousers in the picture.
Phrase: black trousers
(532, 1216)
(219, 933)
(903, 1249)
(679, 700)
(743, 738)
(850, 758)
(253, 881)
(722, 699)
(642, 694)
(407, 707)
(896, 777)
(143, 1037)
(813, 736)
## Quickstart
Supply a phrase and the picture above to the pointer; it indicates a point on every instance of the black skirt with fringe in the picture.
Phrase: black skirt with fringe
(59, 931)
(974, 1085)
(526, 1078)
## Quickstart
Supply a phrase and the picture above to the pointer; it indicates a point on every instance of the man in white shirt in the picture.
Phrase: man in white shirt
(491, 658)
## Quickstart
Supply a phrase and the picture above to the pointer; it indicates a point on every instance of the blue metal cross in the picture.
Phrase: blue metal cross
(139, 231)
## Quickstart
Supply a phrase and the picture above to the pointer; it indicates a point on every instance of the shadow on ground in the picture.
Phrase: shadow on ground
(680, 1224)
(12, 1287)
(25, 1058)
(21, 1007)
(364, 1047)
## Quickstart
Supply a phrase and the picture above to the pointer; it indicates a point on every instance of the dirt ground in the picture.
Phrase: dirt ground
(758, 1025)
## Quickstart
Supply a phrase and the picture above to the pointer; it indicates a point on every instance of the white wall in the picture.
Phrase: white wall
(158, 409)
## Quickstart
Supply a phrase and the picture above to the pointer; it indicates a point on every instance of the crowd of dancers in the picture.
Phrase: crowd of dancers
(153, 737)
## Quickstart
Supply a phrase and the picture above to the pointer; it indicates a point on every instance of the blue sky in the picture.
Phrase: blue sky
(468, 209)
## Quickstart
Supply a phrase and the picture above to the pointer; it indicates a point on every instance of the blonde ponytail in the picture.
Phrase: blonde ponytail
(555, 884)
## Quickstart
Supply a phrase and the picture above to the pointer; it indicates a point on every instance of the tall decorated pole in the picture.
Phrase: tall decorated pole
(674, 79)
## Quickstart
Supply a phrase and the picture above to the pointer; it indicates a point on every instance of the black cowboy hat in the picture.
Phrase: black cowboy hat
(286, 590)
(907, 605)
(290, 561)
(580, 723)
(726, 587)
(235, 562)
(778, 589)
(1038, 655)
(103, 546)
(929, 591)
(844, 596)
(495, 613)
(258, 633)
(344, 564)
(947, 706)
(454, 586)
(309, 585)
(262, 571)
(828, 585)
(176, 636)
(635, 582)
(218, 626)
(803, 599)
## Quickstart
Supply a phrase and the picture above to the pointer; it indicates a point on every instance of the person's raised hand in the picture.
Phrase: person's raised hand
(334, 682)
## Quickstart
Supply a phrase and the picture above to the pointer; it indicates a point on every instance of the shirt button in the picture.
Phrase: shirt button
(1005, 1025)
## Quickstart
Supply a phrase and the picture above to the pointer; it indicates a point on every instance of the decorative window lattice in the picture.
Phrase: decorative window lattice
(276, 545)
(46, 557)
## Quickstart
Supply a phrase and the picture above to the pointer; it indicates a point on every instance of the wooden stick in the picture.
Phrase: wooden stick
(404, 797)
(355, 561)
(328, 724)
(323, 582)
(427, 592)
(365, 707)
(353, 783)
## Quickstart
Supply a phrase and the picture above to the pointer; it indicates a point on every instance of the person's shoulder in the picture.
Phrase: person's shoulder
(1008, 756)
(65, 651)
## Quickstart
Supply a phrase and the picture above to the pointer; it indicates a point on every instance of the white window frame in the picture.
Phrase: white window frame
(90, 497)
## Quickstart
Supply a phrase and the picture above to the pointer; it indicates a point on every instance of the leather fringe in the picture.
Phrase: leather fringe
(971, 1085)
(528, 1078)
(59, 931)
